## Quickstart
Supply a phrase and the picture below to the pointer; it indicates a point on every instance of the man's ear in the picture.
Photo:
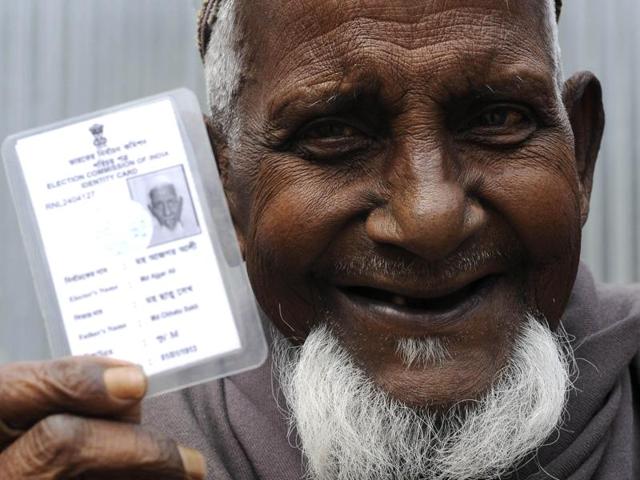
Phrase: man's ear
(221, 152)
(582, 97)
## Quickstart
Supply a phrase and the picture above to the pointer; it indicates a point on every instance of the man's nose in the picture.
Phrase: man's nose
(427, 209)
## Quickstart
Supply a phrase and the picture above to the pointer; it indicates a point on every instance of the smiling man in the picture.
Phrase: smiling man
(165, 205)
(409, 181)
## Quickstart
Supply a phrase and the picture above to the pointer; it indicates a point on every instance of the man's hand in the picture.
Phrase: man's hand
(77, 418)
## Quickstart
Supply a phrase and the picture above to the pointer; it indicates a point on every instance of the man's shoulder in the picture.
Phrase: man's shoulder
(197, 417)
(603, 322)
(596, 306)
(180, 412)
(625, 297)
(618, 307)
(236, 422)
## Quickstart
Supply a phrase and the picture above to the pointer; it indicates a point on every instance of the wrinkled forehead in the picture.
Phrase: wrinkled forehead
(432, 42)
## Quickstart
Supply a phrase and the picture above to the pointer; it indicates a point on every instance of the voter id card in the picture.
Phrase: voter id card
(131, 244)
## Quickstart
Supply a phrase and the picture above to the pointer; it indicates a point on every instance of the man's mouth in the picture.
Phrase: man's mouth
(440, 303)
(169, 222)
(391, 307)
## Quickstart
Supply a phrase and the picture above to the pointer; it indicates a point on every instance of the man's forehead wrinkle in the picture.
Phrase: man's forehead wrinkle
(355, 35)
(407, 35)
(304, 20)
(369, 49)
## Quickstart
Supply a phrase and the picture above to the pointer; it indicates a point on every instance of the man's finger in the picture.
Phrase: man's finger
(66, 446)
(8, 434)
(82, 385)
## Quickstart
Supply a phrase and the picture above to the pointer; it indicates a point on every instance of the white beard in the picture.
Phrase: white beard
(351, 430)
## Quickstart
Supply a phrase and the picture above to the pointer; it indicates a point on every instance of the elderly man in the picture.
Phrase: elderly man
(165, 205)
(408, 181)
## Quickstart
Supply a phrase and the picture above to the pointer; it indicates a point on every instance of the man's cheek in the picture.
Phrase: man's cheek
(289, 230)
(296, 223)
(543, 209)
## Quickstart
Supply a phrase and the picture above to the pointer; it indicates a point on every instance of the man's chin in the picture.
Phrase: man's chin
(170, 224)
(433, 372)
(426, 358)
(438, 385)
(348, 424)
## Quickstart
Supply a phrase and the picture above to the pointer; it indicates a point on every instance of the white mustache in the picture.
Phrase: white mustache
(429, 274)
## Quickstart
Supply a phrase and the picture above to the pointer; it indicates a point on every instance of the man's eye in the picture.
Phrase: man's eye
(500, 117)
(329, 129)
(500, 125)
(331, 139)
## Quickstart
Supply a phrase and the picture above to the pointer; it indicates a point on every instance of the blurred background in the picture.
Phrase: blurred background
(61, 58)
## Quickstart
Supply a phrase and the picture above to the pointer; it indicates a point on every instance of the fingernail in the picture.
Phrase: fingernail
(126, 383)
(193, 463)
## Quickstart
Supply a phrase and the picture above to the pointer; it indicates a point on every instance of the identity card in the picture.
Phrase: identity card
(131, 244)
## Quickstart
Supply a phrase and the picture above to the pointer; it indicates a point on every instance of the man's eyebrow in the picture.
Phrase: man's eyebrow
(328, 95)
(509, 84)
(523, 86)
(336, 96)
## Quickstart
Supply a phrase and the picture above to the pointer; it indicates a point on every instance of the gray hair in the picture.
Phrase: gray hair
(223, 61)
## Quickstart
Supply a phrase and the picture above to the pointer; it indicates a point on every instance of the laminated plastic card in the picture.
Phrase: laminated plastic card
(131, 244)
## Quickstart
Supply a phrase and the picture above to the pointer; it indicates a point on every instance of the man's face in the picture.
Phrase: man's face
(165, 205)
(406, 170)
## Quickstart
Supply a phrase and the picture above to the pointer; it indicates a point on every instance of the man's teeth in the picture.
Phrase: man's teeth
(399, 300)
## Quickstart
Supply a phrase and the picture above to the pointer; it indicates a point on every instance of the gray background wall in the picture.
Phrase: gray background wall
(60, 58)
(604, 37)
